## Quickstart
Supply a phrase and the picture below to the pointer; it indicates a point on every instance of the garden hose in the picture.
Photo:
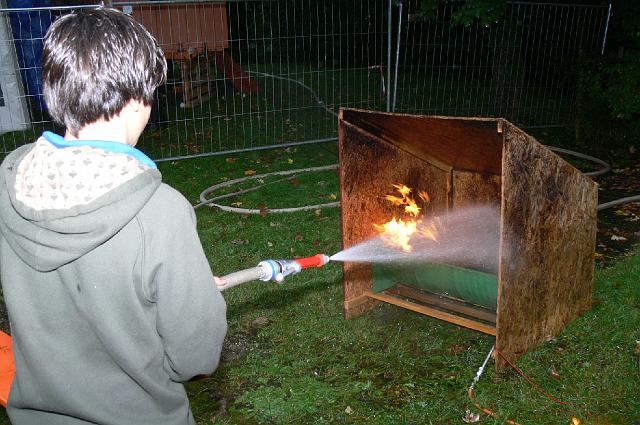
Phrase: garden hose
(211, 202)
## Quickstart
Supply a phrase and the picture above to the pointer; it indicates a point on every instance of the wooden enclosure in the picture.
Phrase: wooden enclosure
(545, 267)
(187, 33)
(185, 30)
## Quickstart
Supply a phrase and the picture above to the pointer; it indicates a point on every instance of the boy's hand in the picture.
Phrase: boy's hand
(219, 282)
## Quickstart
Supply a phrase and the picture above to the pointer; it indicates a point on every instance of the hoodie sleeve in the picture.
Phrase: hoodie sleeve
(191, 312)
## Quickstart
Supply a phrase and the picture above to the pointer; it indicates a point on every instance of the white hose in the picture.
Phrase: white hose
(605, 166)
(635, 198)
(244, 276)
(211, 201)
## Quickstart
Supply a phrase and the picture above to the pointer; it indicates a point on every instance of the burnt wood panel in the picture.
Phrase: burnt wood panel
(472, 144)
(547, 244)
(369, 167)
(475, 188)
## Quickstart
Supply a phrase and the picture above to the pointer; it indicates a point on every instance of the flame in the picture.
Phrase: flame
(398, 232)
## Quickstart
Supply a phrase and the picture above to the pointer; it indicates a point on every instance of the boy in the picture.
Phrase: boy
(111, 300)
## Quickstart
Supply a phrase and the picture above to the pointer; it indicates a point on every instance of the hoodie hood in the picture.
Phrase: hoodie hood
(46, 238)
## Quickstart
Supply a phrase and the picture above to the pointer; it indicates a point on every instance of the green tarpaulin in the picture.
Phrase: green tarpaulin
(472, 286)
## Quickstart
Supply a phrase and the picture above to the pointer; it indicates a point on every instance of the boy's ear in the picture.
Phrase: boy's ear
(135, 105)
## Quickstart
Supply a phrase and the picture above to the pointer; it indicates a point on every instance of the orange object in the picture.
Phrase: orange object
(7, 367)
(232, 71)
(317, 260)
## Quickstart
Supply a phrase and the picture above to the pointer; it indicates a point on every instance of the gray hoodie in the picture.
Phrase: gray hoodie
(111, 300)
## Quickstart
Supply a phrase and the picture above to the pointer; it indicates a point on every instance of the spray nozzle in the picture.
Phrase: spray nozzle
(283, 268)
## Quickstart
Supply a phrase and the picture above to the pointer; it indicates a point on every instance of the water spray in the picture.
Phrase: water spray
(273, 270)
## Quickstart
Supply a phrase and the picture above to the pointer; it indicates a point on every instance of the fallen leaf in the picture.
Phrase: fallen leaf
(298, 237)
(318, 212)
(269, 244)
(264, 210)
(470, 417)
(290, 161)
(249, 172)
(575, 421)
(637, 349)
(333, 196)
(554, 373)
(230, 160)
(618, 238)
(239, 241)
(348, 410)
(260, 321)
(459, 348)
(294, 181)
(236, 204)
(273, 224)
(315, 243)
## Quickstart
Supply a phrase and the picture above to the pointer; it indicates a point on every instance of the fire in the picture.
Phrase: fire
(398, 232)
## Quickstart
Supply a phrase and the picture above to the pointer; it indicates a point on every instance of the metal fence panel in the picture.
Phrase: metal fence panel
(522, 68)
(253, 74)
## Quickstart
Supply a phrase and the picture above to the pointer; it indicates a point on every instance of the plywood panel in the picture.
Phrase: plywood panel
(471, 188)
(369, 167)
(473, 144)
(547, 244)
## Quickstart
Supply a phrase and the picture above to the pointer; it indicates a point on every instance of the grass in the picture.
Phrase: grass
(308, 365)
(290, 357)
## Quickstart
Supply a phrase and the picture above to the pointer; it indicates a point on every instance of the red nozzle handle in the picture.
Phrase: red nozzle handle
(317, 260)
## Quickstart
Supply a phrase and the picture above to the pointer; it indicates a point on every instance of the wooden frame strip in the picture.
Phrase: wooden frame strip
(432, 312)
(444, 302)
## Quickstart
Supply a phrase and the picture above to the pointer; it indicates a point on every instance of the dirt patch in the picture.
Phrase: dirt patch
(235, 347)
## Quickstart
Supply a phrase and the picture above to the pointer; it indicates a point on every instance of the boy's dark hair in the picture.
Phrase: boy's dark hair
(94, 61)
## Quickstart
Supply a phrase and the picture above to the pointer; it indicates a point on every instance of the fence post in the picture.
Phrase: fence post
(395, 73)
(389, 36)
(606, 30)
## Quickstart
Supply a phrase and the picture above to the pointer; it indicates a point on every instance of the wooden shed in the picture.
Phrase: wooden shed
(195, 35)
(547, 218)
